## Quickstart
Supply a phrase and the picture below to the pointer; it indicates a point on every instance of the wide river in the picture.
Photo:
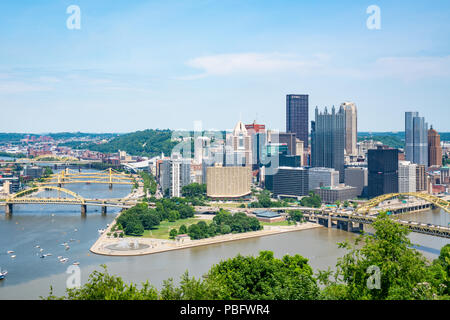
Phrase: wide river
(30, 276)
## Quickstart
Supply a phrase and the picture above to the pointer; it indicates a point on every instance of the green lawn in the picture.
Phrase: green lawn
(280, 223)
(164, 228)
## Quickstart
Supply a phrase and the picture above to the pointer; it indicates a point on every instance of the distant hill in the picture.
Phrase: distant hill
(140, 143)
(393, 139)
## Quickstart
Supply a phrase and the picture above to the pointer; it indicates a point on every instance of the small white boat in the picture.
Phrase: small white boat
(3, 274)
(10, 251)
(75, 230)
(37, 246)
(59, 257)
(63, 260)
(41, 250)
(76, 263)
(101, 231)
(13, 256)
(67, 247)
(47, 254)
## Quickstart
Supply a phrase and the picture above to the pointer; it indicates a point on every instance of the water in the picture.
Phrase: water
(30, 276)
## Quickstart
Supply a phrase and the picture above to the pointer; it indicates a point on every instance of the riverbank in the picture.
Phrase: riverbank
(104, 243)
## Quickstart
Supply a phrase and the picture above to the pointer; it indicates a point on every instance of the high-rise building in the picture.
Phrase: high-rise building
(297, 116)
(383, 171)
(175, 173)
(322, 177)
(351, 128)
(434, 148)
(289, 138)
(290, 182)
(421, 178)
(357, 177)
(416, 138)
(200, 145)
(407, 176)
(328, 140)
(240, 141)
(228, 182)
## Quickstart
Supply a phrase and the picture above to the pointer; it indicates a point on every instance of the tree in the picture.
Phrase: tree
(150, 220)
(173, 233)
(102, 286)
(401, 268)
(264, 199)
(183, 229)
(295, 215)
(134, 228)
(263, 277)
(311, 201)
(174, 215)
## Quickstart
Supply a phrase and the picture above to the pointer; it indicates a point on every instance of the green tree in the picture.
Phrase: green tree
(173, 233)
(263, 277)
(389, 250)
(183, 229)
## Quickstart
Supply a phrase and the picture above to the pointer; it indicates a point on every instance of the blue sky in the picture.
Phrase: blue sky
(141, 64)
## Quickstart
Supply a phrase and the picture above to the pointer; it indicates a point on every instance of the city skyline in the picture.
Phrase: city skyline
(160, 64)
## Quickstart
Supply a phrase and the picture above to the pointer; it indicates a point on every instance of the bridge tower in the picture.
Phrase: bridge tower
(110, 178)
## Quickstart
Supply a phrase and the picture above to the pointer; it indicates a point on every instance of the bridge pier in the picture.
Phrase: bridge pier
(349, 226)
(104, 210)
(8, 210)
(329, 221)
(110, 186)
(83, 210)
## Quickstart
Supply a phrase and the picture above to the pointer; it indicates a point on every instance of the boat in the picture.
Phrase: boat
(59, 257)
(63, 260)
(67, 247)
(3, 274)
(101, 230)
(75, 230)
(10, 251)
(47, 254)
(13, 256)
(76, 263)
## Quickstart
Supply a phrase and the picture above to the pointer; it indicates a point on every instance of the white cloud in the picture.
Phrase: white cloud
(21, 87)
(252, 63)
(403, 68)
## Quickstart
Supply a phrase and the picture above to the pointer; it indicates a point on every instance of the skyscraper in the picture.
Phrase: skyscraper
(351, 128)
(328, 140)
(416, 138)
(297, 117)
(434, 148)
(383, 171)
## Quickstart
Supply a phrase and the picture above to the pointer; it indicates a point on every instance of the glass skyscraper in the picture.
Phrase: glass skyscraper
(416, 138)
(328, 140)
(297, 118)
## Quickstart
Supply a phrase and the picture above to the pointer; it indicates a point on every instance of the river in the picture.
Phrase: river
(49, 226)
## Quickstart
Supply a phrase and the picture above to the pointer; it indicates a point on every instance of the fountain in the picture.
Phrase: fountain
(127, 245)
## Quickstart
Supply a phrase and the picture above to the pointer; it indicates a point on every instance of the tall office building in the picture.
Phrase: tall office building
(322, 177)
(228, 182)
(421, 178)
(175, 173)
(240, 141)
(297, 116)
(328, 140)
(434, 148)
(407, 176)
(383, 171)
(351, 128)
(416, 138)
(357, 177)
(290, 181)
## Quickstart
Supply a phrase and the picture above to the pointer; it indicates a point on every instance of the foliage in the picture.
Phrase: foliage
(141, 143)
(402, 268)
(295, 215)
(173, 233)
(311, 201)
(102, 286)
(263, 277)
(149, 182)
(224, 223)
(137, 219)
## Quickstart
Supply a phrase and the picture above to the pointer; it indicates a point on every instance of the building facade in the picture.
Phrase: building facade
(434, 148)
(322, 177)
(336, 193)
(351, 128)
(289, 181)
(228, 182)
(328, 140)
(297, 116)
(382, 171)
(357, 177)
(416, 138)
(407, 176)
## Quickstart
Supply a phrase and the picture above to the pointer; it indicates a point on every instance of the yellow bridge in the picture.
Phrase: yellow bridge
(438, 202)
(64, 197)
(108, 176)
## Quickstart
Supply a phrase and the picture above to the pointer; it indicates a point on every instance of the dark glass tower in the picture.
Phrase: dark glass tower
(328, 140)
(383, 171)
(416, 138)
(297, 109)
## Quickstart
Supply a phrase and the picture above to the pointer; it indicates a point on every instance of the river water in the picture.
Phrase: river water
(30, 276)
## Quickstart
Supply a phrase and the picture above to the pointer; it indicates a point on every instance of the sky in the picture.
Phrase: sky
(135, 65)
